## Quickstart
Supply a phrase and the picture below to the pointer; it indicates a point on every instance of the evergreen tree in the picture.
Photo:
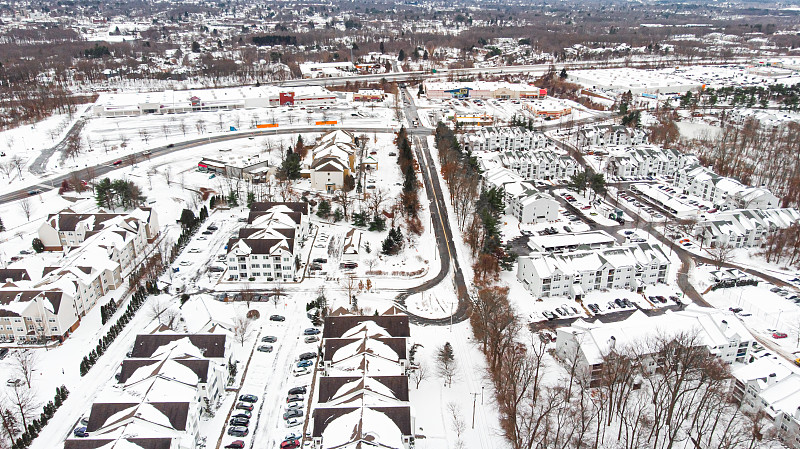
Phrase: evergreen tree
(233, 199)
(37, 245)
(2, 226)
(324, 209)
(251, 198)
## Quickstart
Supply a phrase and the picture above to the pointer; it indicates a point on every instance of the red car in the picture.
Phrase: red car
(778, 335)
(290, 444)
(238, 444)
(117, 163)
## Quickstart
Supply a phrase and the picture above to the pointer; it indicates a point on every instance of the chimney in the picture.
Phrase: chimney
(724, 326)
(612, 342)
(772, 379)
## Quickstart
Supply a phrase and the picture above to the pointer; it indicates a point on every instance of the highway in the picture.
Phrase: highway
(106, 167)
(512, 69)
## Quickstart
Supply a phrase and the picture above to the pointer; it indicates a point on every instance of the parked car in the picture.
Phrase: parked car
(320, 260)
(311, 339)
(14, 382)
(295, 397)
(549, 315)
(238, 431)
(212, 227)
(237, 444)
(277, 318)
(244, 406)
(298, 371)
(269, 339)
(307, 356)
(779, 335)
(292, 422)
(265, 348)
(735, 309)
(248, 398)
(290, 444)
(303, 363)
(239, 421)
(292, 436)
(3, 353)
(242, 414)
(297, 390)
(311, 331)
(80, 432)
(206, 232)
(294, 405)
(293, 414)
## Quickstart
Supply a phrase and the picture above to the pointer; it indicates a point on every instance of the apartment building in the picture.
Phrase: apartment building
(723, 192)
(502, 139)
(743, 228)
(573, 274)
(265, 249)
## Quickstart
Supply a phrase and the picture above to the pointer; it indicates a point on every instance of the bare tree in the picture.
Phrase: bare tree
(6, 168)
(167, 174)
(27, 208)
(457, 422)
(419, 373)
(721, 254)
(24, 402)
(242, 328)
(16, 163)
(157, 309)
(25, 363)
(349, 283)
(247, 295)
(370, 263)
(9, 422)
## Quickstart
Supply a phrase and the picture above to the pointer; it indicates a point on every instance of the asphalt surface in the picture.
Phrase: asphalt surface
(38, 165)
(441, 229)
(106, 167)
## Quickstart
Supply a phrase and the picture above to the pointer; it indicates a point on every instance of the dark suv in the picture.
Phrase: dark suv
(277, 318)
(307, 356)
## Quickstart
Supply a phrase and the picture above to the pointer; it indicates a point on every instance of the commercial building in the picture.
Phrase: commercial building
(482, 90)
(573, 274)
(311, 70)
(251, 168)
(201, 100)
(588, 343)
(370, 95)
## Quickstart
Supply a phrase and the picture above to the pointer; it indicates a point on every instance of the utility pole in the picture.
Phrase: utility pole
(474, 402)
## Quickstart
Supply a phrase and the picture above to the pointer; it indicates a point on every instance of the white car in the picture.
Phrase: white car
(301, 371)
(185, 263)
(293, 436)
(194, 250)
(295, 405)
(292, 422)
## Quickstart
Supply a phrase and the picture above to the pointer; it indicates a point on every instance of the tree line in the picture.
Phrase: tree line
(656, 393)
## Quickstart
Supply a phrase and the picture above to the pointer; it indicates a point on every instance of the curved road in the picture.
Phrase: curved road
(108, 166)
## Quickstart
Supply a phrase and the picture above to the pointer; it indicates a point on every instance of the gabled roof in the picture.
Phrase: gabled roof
(277, 206)
(105, 415)
(13, 301)
(124, 443)
(210, 345)
(393, 325)
(199, 367)
(381, 427)
(330, 387)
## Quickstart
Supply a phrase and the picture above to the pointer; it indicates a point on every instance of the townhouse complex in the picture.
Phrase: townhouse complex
(99, 253)
(163, 388)
(363, 395)
(608, 135)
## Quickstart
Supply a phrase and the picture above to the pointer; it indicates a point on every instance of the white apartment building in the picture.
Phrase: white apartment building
(534, 207)
(544, 164)
(769, 385)
(646, 160)
(502, 139)
(743, 228)
(610, 135)
(572, 274)
(589, 343)
(33, 315)
(68, 229)
(265, 249)
(723, 192)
